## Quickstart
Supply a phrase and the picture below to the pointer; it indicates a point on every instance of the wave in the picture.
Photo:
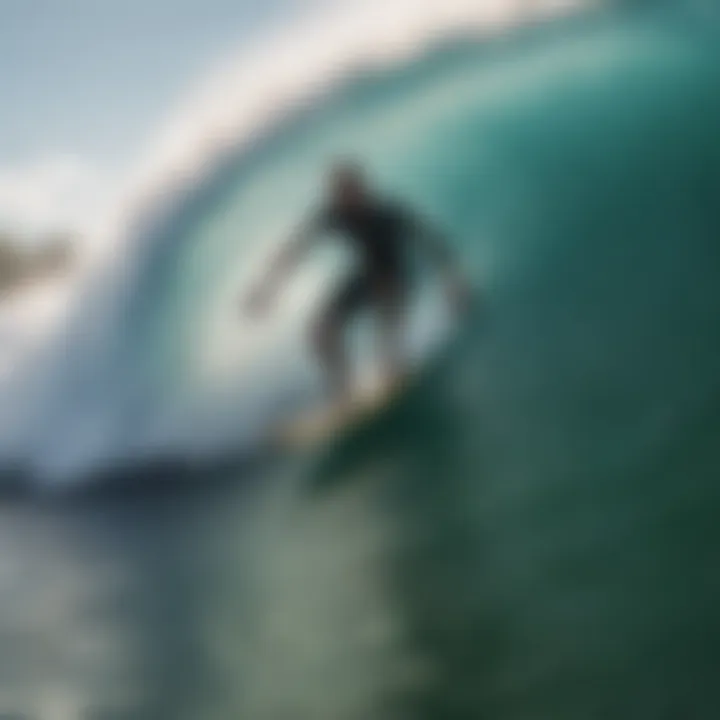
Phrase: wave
(249, 95)
(88, 397)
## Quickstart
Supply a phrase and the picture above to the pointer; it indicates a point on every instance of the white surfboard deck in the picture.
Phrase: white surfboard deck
(320, 424)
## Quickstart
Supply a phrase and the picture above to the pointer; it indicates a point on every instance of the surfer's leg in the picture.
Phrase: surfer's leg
(328, 334)
(391, 301)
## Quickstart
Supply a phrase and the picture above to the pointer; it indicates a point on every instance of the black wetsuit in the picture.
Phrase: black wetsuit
(379, 233)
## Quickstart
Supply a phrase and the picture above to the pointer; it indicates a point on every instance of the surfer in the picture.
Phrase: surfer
(381, 231)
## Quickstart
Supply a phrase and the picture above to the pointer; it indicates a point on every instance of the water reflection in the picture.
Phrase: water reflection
(255, 600)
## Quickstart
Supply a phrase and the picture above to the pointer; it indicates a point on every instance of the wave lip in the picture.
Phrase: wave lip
(248, 94)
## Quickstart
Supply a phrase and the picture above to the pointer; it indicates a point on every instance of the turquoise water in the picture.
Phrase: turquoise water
(531, 533)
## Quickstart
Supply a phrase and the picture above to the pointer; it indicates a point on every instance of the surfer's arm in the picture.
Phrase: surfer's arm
(435, 245)
(292, 253)
(286, 260)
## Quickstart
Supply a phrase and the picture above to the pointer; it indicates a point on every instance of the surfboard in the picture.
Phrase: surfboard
(336, 420)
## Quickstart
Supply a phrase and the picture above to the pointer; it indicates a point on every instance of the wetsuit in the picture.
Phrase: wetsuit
(379, 233)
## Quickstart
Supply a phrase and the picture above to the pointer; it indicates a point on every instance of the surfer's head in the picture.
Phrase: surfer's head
(347, 186)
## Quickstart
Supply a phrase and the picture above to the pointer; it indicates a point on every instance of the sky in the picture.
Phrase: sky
(83, 84)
